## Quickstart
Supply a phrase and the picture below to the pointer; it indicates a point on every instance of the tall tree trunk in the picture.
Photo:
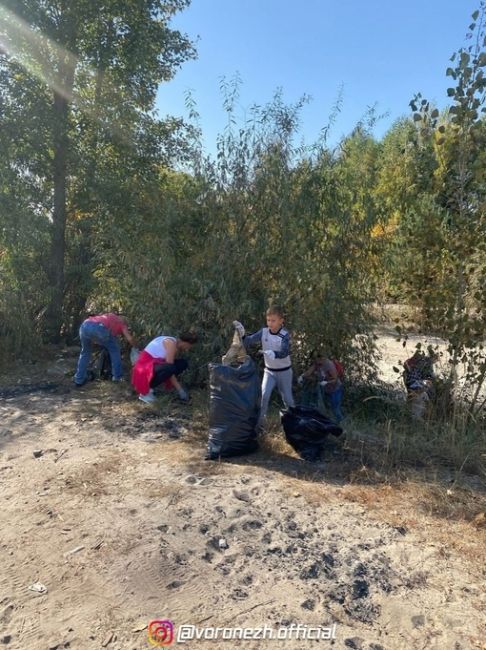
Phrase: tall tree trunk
(58, 243)
(60, 139)
(85, 254)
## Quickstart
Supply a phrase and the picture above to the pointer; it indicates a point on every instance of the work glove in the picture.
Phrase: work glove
(269, 354)
(300, 380)
(239, 328)
(183, 395)
(134, 353)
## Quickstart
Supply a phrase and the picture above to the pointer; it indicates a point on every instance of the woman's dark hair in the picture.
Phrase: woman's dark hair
(188, 337)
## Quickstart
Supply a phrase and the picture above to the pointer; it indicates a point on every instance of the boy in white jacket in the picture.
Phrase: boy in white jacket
(275, 342)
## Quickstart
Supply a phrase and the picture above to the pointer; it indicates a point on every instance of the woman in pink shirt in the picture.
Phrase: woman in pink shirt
(102, 330)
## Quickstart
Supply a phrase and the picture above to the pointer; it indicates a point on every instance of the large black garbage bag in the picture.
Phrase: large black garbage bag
(234, 404)
(306, 428)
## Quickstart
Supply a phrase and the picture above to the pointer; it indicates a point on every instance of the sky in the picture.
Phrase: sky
(379, 51)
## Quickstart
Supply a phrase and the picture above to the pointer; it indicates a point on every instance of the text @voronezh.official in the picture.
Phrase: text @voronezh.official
(163, 633)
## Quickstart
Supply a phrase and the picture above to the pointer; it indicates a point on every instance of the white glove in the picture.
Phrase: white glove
(323, 383)
(269, 354)
(239, 328)
(300, 380)
(134, 353)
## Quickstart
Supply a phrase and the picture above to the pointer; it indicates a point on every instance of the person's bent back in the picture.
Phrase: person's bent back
(102, 330)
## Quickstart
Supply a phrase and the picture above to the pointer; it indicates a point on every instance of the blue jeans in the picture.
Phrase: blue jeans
(90, 333)
(333, 401)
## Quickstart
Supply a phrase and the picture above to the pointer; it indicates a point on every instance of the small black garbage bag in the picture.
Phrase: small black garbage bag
(234, 405)
(306, 430)
(100, 366)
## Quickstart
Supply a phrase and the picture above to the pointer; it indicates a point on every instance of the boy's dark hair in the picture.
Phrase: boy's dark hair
(275, 310)
(188, 337)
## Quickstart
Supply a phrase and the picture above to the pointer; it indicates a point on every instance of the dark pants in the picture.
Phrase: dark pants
(166, 370)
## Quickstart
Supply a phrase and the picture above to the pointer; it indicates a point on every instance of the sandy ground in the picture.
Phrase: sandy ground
(110, 506)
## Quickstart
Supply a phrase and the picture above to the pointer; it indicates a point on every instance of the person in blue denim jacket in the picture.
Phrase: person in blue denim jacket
(103, 330)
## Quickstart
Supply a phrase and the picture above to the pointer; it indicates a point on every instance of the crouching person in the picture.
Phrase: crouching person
(159, 363)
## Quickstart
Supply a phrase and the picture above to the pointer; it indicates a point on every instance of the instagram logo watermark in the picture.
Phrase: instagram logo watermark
(160, 633)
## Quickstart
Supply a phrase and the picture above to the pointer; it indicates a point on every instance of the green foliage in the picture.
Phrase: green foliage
(105, 206)
(453, 226)
(77, 88)
(262, 223)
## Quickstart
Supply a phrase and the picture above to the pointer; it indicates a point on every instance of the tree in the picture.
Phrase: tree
(459, 151)
(95, 70)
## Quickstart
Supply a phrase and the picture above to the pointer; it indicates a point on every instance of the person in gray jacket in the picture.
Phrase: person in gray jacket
(275, 342)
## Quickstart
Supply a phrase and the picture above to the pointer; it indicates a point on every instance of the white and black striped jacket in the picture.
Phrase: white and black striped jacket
(278, 342)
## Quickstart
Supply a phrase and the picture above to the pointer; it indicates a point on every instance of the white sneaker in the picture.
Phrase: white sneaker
(149, 398)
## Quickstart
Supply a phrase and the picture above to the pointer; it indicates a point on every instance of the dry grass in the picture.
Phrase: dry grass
(398, 493)
(392, 443)
(418, 506)
(274, 445)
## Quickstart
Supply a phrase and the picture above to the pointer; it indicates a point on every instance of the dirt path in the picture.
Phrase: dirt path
(110, 506)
